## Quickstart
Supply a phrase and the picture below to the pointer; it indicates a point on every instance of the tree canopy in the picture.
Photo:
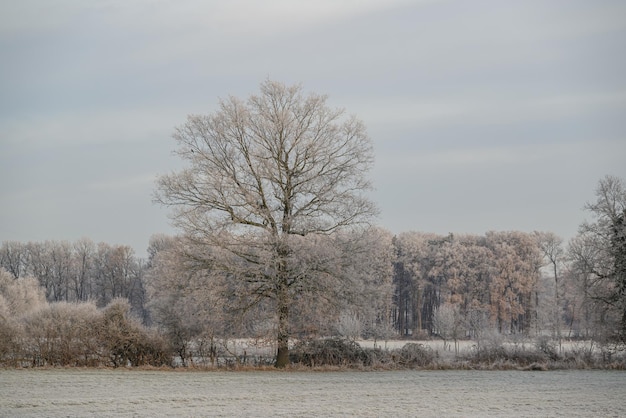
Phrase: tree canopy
(265, 179)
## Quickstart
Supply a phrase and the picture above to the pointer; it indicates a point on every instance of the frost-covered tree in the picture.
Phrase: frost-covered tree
(19, 296)
(515, 265)
(188, 312)
(496, 273)
(265, 176)
(469, 280)
(78, 271)
(551, 247)
(599, 254)
(449, 324)
(13, 257)
(118, 274)
(411, 278)
(374, 283)
(83, 262)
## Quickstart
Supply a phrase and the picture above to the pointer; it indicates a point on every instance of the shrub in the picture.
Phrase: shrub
(330, 352)
(415, 355)
(547, 347)
(126, 342)
(61, 334)
(9, 345)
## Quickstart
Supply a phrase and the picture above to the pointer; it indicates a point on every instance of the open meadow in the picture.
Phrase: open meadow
(138, 393)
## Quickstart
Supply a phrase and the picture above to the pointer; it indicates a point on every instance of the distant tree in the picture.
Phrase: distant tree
(264, 176)
(444, 263)
(515, 265)
(599, 253)
(61, 256)
(374, 282)
(13, 257)
(79, 271)
(449, 324)
(551, 246)
(83, 262)
(40, 265)
(20, 296)
(185, 309)
(470, 277)
(412, 265)
(349, 325)
(118, 274)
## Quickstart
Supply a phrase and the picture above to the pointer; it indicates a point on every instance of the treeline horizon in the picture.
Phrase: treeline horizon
(429, 274)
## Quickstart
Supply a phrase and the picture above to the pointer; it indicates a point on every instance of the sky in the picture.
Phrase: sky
(484, 115)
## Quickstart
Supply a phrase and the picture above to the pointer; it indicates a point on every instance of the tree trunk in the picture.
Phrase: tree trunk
(282, 356)
(282, 305)
(417, 311)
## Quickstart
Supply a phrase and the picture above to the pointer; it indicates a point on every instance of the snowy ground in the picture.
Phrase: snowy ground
(135, 393)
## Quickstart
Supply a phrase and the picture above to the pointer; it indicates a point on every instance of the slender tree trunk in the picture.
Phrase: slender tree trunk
(557, 309)
(417, 311)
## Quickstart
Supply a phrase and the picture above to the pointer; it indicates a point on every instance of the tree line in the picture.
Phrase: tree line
(79, 271)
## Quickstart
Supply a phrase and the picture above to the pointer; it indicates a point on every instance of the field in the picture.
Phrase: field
(138, 393)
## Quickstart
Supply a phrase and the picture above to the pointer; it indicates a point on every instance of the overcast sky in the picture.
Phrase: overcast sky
(485, 115)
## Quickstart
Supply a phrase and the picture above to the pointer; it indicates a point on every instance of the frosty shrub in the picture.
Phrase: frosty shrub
(19, 296)
(8, 342)
(415, 355)
(330, 352)
(349, 325)
(582, 353)
(497, 353)
(78, 334)
(126, 342)
(61, 334)
(547, 347)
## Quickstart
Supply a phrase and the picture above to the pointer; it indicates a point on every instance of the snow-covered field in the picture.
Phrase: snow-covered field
(137, 393)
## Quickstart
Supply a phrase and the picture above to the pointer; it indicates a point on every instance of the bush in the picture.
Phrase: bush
(496, 353)
(547, 347)
(330, 352)
(127, 342)
(61, 334)
(78, 334)
(8, 342)
(415, 355)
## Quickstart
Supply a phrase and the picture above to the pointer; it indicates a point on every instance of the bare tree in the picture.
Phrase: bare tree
(551, 246)
(411, 278)
(181, 304)
(599, 253)
(13, 257)
(374, 271)
(264, 174)
(84, 250)
(449, 324)
(19, 296)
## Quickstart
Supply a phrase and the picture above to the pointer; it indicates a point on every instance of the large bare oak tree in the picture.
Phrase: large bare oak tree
(266, 179)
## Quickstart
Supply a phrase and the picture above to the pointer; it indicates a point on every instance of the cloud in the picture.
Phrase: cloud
(398, 165)
(89, 126)
(122, 183)
(483, 109)
(237, 17)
